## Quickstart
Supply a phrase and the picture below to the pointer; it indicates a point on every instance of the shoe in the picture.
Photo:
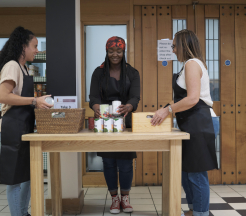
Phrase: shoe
(115, 207)
(28, 215)
(125, 204)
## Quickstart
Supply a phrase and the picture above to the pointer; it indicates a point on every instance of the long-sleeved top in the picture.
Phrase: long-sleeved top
(98, 91)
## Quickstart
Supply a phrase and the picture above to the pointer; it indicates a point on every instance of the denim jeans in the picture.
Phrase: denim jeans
(18, 198)
(125, 174)
(196, 185)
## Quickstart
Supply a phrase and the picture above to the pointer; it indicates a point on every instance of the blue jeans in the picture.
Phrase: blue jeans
(196, 185)
(18, 198)
(125, 174)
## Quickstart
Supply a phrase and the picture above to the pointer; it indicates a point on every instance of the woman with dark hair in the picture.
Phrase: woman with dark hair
(18, 103)
(116, 80)
(193, 108)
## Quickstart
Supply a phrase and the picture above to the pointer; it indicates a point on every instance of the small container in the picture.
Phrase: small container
(118, 125)
(98, 125)
(108, 125)
(110, 111)
(39, 93)
(104, 109)
(35, 93)
(44, 93)
(91, 123)
(44, 88)
(39, 87)
(49, 100)
(31, 72)
(116, 104)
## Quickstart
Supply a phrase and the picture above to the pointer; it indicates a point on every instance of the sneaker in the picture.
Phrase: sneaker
(125, 204)
(115, 207)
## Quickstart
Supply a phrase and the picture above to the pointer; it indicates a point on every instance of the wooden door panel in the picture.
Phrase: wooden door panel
(240, 48)
(228, 147)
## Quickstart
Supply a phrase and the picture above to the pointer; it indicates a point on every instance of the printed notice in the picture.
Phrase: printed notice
(65, 102)
(165, 52)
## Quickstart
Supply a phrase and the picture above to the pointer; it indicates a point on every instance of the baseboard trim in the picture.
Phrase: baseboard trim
(69, 206)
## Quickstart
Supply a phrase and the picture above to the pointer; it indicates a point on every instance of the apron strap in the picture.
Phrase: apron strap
(22, 69)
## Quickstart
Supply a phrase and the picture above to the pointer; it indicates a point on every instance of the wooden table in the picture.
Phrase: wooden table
(170, 143)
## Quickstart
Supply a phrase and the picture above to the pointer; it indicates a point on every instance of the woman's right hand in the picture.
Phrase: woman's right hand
(42, 104)
(97, 113)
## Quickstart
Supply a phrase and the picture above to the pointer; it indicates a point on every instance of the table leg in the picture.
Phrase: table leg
(55, 178)
(171, 186)
(37, 182)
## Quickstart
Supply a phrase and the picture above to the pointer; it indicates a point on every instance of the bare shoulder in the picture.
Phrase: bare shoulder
(192, 67)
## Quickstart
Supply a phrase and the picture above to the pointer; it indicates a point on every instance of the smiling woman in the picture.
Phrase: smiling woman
(16, 96)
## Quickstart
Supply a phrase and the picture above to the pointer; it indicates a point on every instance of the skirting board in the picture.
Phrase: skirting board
(69, 206)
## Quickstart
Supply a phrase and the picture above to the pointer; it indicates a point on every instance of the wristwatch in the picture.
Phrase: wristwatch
(34, 102)
(170, 109)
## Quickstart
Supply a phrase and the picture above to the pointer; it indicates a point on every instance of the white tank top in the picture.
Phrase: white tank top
(205, 89)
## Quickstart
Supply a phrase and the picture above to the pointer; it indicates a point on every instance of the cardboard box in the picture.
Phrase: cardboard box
(141, 123)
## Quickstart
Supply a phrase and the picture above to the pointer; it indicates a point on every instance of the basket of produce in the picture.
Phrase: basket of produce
(59, 121)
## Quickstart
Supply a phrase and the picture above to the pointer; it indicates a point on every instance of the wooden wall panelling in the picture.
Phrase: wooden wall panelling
(240, 46)
(190, 18)
(200, 26)
(138, 58)
(179, 12)
(131, 34)
(228, 147)
(186, 2)
(149, 37)
(106, 10)
(164, 30)
(34, 22)
(212, 11)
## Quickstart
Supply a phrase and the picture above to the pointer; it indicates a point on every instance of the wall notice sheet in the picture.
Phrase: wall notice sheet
(165, 52)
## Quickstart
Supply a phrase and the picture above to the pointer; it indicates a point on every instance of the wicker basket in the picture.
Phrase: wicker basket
(70, 121)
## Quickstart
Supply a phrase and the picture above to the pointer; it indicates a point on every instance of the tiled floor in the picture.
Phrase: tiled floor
(146, 201)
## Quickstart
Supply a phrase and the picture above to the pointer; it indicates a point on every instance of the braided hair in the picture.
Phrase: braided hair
(13, 48)
(119, 42)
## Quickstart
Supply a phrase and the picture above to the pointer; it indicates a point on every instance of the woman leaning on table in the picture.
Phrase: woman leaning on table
(116, 80)
(16, 96)
(192, 106)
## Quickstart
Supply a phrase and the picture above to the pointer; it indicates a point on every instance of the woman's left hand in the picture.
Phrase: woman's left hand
(125, 109)
(159, 116)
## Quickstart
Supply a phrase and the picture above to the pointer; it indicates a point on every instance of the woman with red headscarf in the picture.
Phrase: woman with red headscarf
(116, 80)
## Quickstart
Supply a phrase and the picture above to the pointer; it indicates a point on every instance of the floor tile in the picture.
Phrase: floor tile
(148, 208)
(242, 212)
(3, 197)
(140, 196)
(120, 214)
(141, 202)
(4, 214)
(157, 189)
(221, 189)
(88, 202)
(94, 196)
(241, 193)
(235, 199)
(157, 201)
(183, 201)
(220, 206)
(158, 196)
(97, 191)
(231, 194)
(140, 213)
(238, 206)
(216, 200)
(139, 190)
(225, 213)
(185, 207)
(93, 209)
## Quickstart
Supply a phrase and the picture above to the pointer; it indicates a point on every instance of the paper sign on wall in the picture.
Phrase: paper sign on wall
(165, 52)
(65, 102)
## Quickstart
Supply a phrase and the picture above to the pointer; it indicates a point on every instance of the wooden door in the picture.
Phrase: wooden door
(153, 23)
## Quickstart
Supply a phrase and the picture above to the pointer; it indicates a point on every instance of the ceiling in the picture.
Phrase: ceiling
(22, 3)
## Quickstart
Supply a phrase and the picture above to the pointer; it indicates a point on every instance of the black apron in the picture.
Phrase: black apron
(15, 153)
(198, 153)
(114, 94)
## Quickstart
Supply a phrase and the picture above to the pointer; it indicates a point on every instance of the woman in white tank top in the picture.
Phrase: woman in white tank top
(193, 108)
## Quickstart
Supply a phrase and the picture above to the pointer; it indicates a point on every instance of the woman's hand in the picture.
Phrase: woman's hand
(42, 104)
(159, 116)
(125, 109)
(97, 113)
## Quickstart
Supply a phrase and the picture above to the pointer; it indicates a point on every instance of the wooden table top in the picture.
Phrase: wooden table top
(86, 134)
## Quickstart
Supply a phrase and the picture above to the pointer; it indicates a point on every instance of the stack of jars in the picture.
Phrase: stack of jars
(39, 90)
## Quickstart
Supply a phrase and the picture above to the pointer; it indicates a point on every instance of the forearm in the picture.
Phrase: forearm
(96, 107)
(184, 104)
(15, 100)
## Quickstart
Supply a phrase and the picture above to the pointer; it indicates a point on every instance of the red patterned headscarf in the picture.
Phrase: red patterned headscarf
(116, 42)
